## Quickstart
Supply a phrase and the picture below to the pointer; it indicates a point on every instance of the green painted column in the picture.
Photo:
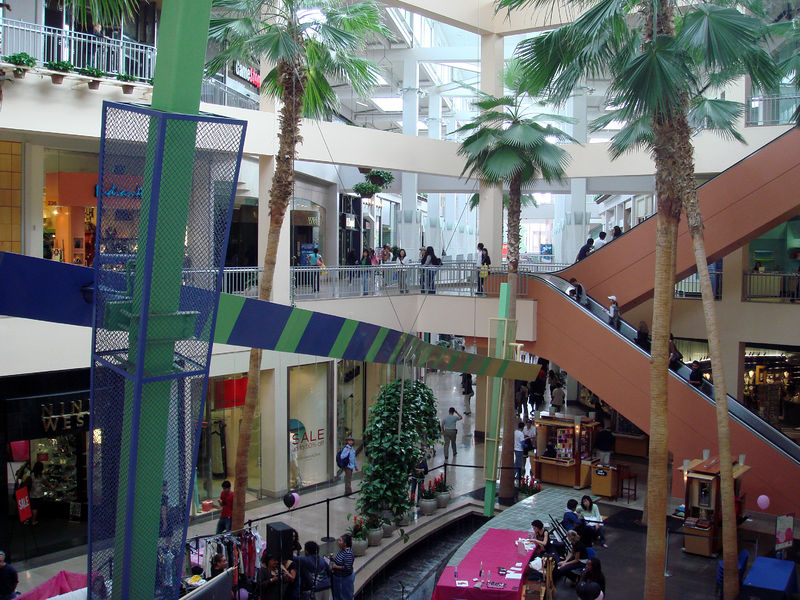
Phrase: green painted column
(178, 81)
(491, 440)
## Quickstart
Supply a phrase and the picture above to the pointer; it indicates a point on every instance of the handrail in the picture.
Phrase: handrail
(736, 409)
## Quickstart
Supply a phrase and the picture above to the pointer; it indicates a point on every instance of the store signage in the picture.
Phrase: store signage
(46, 416)
(350, 221)
(64, 416)
(230, 393)
(23, 504)
(600, 472)
(784, 531)
(116, 192)
(249, 74)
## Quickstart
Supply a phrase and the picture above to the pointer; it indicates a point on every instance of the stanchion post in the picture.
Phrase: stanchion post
(666, 557)
(328, 537)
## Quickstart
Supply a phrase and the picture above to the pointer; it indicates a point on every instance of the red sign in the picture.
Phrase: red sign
(230, 393)
(42, 456)
(23, 504)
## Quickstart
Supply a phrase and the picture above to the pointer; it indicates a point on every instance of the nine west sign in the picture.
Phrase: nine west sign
(47, 416)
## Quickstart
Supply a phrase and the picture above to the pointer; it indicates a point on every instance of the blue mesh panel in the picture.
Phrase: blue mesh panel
(165, 195)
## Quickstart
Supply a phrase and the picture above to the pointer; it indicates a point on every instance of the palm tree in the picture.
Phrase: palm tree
(507, 145)
(107, 12)
(310, 44)
(661, 70)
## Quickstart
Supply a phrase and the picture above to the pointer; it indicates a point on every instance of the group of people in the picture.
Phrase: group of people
(302, 575)
(584, 526)
(593, 245)
(385, 256)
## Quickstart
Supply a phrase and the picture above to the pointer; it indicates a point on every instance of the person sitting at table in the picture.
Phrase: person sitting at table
(592, 582)
(571, 566)
(539, 536)
(592, 519)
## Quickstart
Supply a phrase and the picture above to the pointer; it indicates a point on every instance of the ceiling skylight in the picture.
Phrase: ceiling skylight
(392, 104)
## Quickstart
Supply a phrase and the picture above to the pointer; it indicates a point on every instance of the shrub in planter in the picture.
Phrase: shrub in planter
(529, 487)
(358, 531)
(391, 454)
(428, 502)
(125, 78)
(62, 66)
(366, 189)
(380, 178)
(95, 73)
(442, 490)
(21, 59)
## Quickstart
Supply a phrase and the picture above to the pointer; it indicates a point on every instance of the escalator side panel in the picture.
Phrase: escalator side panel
(620, 374)
(738, 205)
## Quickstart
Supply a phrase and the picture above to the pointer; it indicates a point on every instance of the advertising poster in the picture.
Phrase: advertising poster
(784, 531)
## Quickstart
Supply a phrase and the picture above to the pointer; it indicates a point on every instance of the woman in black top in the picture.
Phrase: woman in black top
(429, 262)
(268, 579)
(289, 579)
(342, 566)
(592, 581)
(572, 565)
(484, 272)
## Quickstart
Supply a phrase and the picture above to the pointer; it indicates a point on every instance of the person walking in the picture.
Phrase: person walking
(315, 261)
(342, 568)
(449, 431)
(483, 272)
(467, 391)
(226, 504)
(8, 579)
(519, 452)
(349, 453)
(585, 250)
(366, 275)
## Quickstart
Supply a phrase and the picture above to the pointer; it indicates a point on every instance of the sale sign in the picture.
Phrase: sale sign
(23, 504)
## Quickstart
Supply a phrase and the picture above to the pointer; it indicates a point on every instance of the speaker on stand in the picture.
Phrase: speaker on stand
(279, 540)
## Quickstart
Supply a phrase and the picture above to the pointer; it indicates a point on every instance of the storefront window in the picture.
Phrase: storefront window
(308, 223)
(350, 401)
(219, 439)
(772, 386)
(310, 443)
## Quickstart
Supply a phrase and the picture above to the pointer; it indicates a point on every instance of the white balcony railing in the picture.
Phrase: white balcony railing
(83, 50)
(771, 287)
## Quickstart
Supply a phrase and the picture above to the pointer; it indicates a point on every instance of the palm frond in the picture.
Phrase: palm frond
(717, 115)
(107, 12)
(634, 135)
(719, 35)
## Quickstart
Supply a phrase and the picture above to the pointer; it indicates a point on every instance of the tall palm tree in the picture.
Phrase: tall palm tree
(661, 71)
(107, 12)
(311, 44)
(507, 144)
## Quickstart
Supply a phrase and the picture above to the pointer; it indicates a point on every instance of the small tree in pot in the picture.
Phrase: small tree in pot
(23, 61)
(365, 189)
(62, 66)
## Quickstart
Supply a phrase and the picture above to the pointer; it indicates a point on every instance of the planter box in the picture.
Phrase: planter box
(374, 536)
(427, 507)
(360, 547)
(442, 499)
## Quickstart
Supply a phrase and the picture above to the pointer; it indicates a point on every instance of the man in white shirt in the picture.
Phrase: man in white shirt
(519, 451)
(529, 434)
(600, 241)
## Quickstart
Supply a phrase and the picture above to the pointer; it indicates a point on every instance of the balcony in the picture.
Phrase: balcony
(771, 110)
(114, 56)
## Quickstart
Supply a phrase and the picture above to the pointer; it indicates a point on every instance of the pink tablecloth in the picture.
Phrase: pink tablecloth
(61, 583)
(497, 548)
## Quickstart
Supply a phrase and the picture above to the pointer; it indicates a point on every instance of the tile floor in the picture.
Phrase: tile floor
(315, 522)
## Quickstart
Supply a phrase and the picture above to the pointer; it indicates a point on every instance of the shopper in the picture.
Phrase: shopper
(616, 232)
(418, 478)
(429, 264)
(643, 337)
(675, 356)
(558, 398)
(226, 504)
(268, 579)
(539, 536)
(449, 431)
(402, 271)
(342, 568)
(289, 572)
(218, 565)
(613, 313)
(592, 519)
(696, 376)
(8, 579)
(592, 582)
(585, 250)
(466, 391)
(600, 241)
(519, 452)
(38, 483)
(483, 271)
(538, 387)
(315, 261)
(580, 292)
(366, 274)
(315, 574)
(349, 453)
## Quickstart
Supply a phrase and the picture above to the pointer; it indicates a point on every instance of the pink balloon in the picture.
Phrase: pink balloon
(296, 497)
(763, 502)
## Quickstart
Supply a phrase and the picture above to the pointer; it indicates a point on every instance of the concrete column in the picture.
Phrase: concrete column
(576, 108)
(32, 200)
(490, 211)
(409, 236)
(433, 230)
(410, 97)
(274, 440)
(570, 213)
(435, 116)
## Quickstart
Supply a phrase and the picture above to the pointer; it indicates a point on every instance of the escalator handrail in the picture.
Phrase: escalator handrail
(736, 409)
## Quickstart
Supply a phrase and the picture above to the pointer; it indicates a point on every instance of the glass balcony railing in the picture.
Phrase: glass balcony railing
(770, 110)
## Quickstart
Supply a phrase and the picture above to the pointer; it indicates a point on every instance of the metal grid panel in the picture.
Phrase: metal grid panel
(165, 196)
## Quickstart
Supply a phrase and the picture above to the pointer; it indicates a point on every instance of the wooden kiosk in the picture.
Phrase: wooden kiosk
(703, 521)
(570, 441)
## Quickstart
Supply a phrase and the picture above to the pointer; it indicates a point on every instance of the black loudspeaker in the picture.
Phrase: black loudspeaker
(279, 540)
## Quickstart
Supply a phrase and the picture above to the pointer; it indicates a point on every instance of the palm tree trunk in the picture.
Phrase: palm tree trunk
(293, 88)
(510, 417)
(729, 530)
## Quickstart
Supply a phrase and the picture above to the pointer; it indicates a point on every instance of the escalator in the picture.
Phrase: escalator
(738, 205)
(579, 340)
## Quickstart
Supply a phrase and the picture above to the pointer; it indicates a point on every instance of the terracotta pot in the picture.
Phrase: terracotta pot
(360, 547)
(428, 506)
(94, 84)
(127, 89)
(442, 499)
(57, 78)
(374, 536)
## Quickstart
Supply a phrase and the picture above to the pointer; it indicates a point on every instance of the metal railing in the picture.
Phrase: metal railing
(242, 281)
(216, 92)
(450, 278)
(770, 109)
(83, 50)
(771, 287)
(690, 287)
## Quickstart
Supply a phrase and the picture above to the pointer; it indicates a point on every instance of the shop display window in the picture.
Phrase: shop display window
(309, 428)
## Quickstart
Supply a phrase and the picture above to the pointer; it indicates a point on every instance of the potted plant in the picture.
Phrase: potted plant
(442, 491)
(126, 79)
(428, 503)
(365, 189)
(95, 74)
(380, 178)
(358, 531)
(389, 523)
(62, 66)
(529, 487)
(374, 523)
(23, 61)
